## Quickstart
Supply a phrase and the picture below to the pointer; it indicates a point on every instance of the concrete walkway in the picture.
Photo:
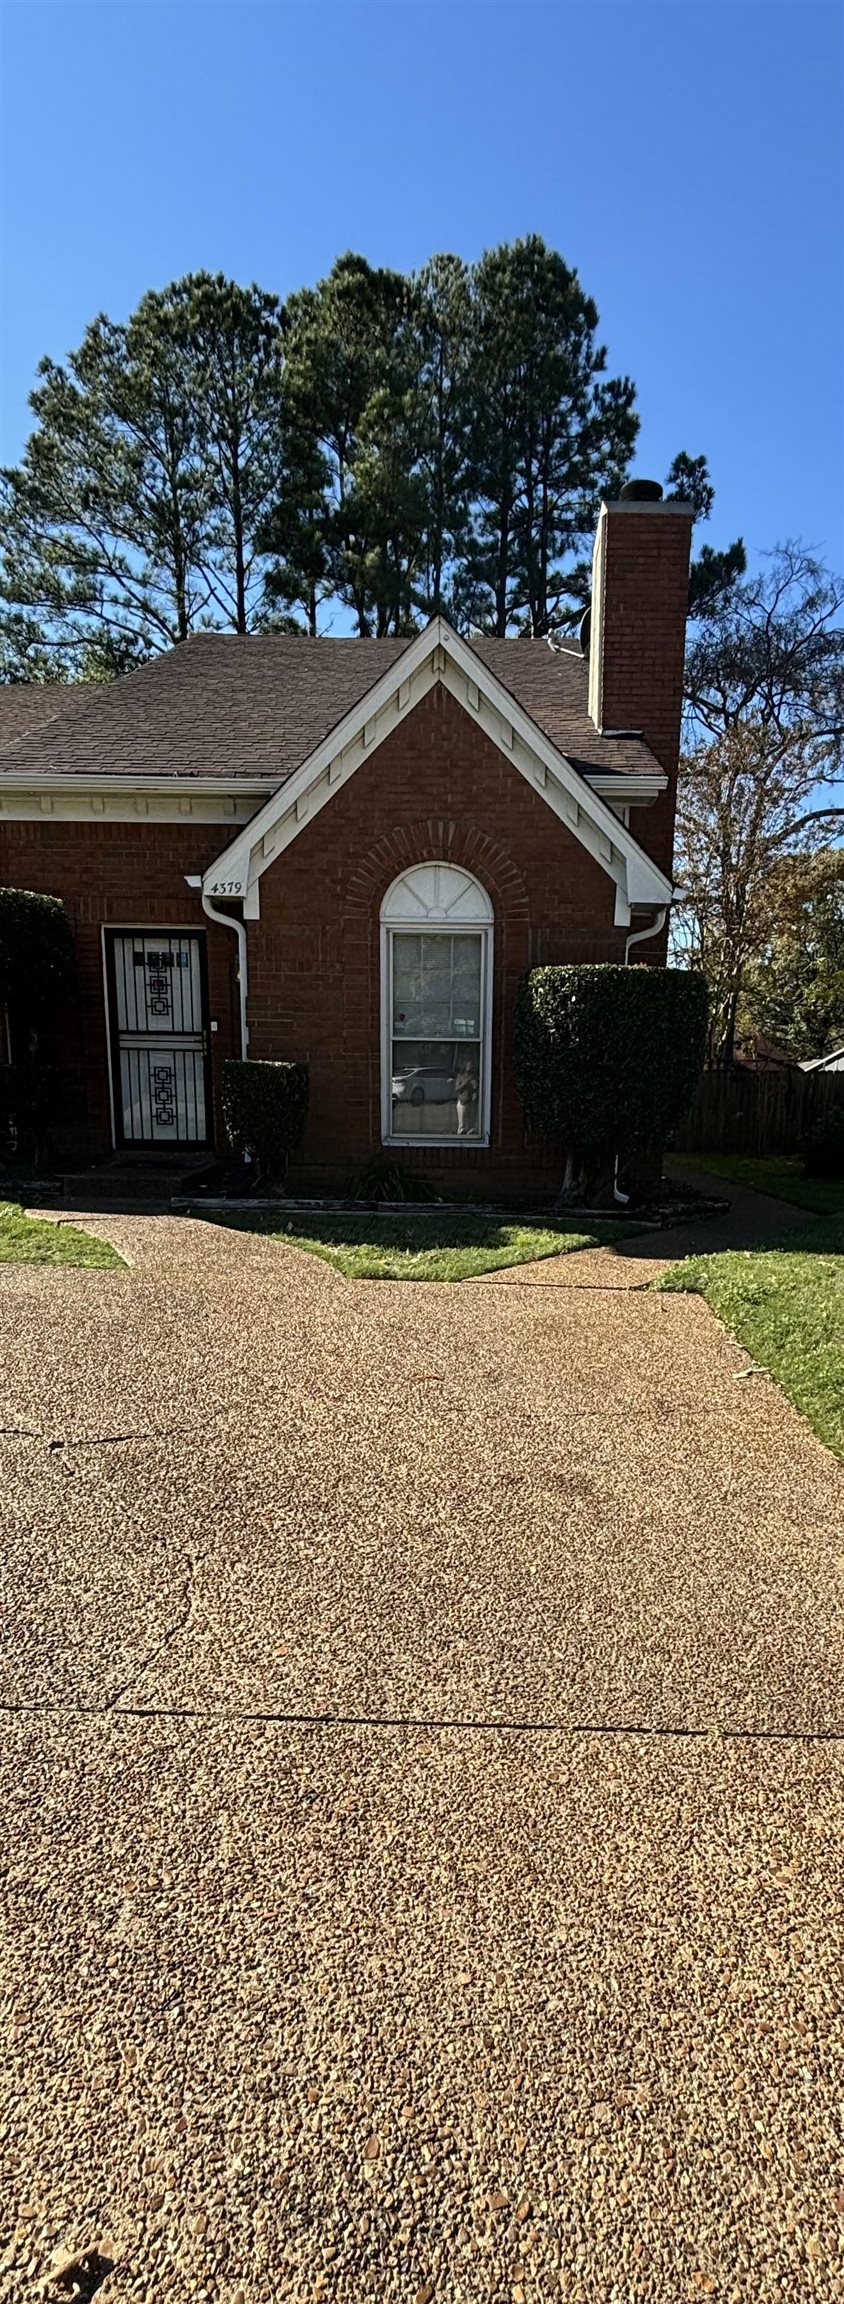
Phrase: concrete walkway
(747, 1220)
(421, 1785)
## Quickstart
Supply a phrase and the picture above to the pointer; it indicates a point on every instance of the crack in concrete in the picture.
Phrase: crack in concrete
(57, 1445)
(715, 1733)
(186, 1600)
(572, 1287)
(151, 1432)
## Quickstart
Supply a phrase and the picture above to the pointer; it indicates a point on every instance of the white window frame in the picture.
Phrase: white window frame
(398, 921)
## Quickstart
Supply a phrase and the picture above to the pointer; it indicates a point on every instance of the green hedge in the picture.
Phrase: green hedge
(265, 1107)
(823, 1151)
(607, 1059)
(37, 960)
(32, 1096)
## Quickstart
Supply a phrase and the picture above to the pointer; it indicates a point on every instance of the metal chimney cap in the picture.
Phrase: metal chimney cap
(640, 492)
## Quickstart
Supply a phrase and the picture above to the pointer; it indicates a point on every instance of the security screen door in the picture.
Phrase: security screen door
(158, 1026)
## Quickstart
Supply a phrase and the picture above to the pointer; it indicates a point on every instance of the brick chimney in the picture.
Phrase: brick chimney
(640, 584)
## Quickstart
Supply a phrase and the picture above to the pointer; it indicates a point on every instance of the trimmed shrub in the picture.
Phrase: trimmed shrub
(823, 1151)
(607, 1059)
(37, 959)
(265, 1107)
(30, 1097)
(37, 967)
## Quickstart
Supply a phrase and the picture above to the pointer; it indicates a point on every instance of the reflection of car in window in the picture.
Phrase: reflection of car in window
(423, 1084)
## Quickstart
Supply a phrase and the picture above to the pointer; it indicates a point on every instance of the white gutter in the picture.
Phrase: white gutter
(84, 780)
(229, 920)
(615, 785)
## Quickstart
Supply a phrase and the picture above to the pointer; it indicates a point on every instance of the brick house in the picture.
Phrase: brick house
(348, 851)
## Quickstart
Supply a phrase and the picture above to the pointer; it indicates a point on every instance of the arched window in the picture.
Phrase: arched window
(436, 1008)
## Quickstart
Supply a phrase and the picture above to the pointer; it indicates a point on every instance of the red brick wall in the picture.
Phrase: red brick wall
(314, 965)
(112, 875)
(645, 599)
(314, 956)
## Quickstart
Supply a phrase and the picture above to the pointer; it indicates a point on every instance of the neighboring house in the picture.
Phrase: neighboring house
(350, 850)
(834, 1062)
(762, 1055)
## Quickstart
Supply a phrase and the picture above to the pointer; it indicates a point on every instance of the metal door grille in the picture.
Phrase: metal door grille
(158, 1021)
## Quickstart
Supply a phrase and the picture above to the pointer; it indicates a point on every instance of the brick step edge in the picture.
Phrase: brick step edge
(195, 1204)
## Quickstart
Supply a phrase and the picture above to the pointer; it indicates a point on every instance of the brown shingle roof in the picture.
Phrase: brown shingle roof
(256, 708)
(24, 707)
(551, 685)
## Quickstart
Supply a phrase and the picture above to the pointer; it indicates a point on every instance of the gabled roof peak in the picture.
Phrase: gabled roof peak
(437, 656)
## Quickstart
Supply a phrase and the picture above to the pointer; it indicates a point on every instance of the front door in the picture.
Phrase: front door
(158, 1028)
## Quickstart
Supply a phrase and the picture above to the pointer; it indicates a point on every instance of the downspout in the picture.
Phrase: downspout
(639, 936)
(230, 920)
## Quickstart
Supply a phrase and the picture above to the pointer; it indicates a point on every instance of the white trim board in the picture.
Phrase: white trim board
(120, 799)
(438, 656)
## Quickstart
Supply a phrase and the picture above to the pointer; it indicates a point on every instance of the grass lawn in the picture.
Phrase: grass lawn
(786, 1306)
(418, 1243)
(29, 1240)
(779, 1173)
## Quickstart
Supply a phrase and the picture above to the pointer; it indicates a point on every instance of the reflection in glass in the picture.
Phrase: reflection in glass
(435, 1087)
(436, 1034)
(437, 986)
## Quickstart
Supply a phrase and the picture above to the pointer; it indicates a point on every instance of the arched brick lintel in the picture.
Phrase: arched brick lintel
(439, 840)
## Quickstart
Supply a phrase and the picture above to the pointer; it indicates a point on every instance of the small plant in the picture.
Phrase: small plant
(607, 1061)
(387, 1180)
(823, 1151)
(265, 1107)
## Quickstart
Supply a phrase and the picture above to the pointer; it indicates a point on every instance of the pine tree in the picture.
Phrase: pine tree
(444, 323)
(388, 447)
(233, 338)
(713, 574)
(549, 435)
(130, 522)
(347, 367)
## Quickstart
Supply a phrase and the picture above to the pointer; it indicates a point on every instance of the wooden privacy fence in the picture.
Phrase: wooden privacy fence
(758, 1111)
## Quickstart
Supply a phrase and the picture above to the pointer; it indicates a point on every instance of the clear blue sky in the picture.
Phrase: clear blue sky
(686, 156)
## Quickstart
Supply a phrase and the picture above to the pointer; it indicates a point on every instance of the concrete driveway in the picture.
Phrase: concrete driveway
(421, 1789)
